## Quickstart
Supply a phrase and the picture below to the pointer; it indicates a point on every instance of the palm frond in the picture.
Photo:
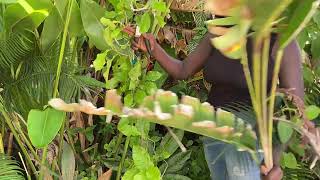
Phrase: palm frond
(243, 111)
(29, 85)
(9, 169)
(14, 48)
(301, 172)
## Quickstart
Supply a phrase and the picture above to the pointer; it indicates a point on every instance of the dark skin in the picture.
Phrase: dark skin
(290, 76)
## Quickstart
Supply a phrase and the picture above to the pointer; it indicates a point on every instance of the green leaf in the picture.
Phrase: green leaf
(43, 126)
(301, 16)
(289, 160)
(139, 95)
(91, 13)
(285, 131)
(159, 6)
(153, 76)
(52, 29)
(75, 25)
(135, 72)
(129, 174)
(143, 127)
(100, 61)
(175, 177)
(26, 14)
(168, 145)
(112, 83)
(67, 162)
(302, 38)
(125, 128)
(128, 100)
(8, 1)
(150, 87)
(315, 48)
(141, 158)
(144, 23)
(316, 17)
(176, 162)
(312, 112)
(228, 21)
(153, 173)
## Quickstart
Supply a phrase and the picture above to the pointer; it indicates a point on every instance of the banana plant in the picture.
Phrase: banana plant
(165, 108)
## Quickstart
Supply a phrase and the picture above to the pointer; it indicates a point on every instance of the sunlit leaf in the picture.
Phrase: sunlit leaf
(312, 112)
(43, 126)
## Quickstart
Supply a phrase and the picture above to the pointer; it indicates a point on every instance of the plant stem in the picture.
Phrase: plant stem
(273, 92)
(116, 149)
(15, 134)
(61, 55)
(25, 139)
(1, 145)
(126, 145)
(247, 74)
(264, 107)
(62, 49)
(43, 162)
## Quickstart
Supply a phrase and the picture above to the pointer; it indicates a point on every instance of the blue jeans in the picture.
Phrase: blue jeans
(226, 163)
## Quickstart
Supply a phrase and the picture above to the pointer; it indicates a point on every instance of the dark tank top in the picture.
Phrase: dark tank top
(227, 77)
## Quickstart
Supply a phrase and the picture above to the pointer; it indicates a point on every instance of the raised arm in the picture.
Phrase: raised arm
(176, 68)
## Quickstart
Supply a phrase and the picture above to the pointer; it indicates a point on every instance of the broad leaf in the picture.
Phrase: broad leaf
(127, 129)
(144, 23)
(26, 14)
(43, 126)
(52, 29)
(153, 76)
(100, 61)
(284, 131)
(141, 158)
(312, 112)
(91, 13)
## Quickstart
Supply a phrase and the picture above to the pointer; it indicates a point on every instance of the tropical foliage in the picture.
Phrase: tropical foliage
(60, 59)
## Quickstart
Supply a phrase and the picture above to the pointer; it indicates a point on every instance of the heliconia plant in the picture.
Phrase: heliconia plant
(258, 19)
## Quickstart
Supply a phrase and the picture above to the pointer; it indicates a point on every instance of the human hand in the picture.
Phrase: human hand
(275, 173)
(139, 42)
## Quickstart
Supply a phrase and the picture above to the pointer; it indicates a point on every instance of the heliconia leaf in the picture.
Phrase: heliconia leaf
(190, 115)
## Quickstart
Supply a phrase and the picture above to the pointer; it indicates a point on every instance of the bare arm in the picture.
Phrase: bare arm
(191, 65)
(176, 68)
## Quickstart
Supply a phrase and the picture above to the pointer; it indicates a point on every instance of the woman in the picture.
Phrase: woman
(229, 85)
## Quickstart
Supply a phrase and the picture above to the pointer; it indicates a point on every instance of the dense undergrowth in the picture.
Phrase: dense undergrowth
(75, 49)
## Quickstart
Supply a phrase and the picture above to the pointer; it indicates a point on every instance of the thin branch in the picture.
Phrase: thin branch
(175, 137)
